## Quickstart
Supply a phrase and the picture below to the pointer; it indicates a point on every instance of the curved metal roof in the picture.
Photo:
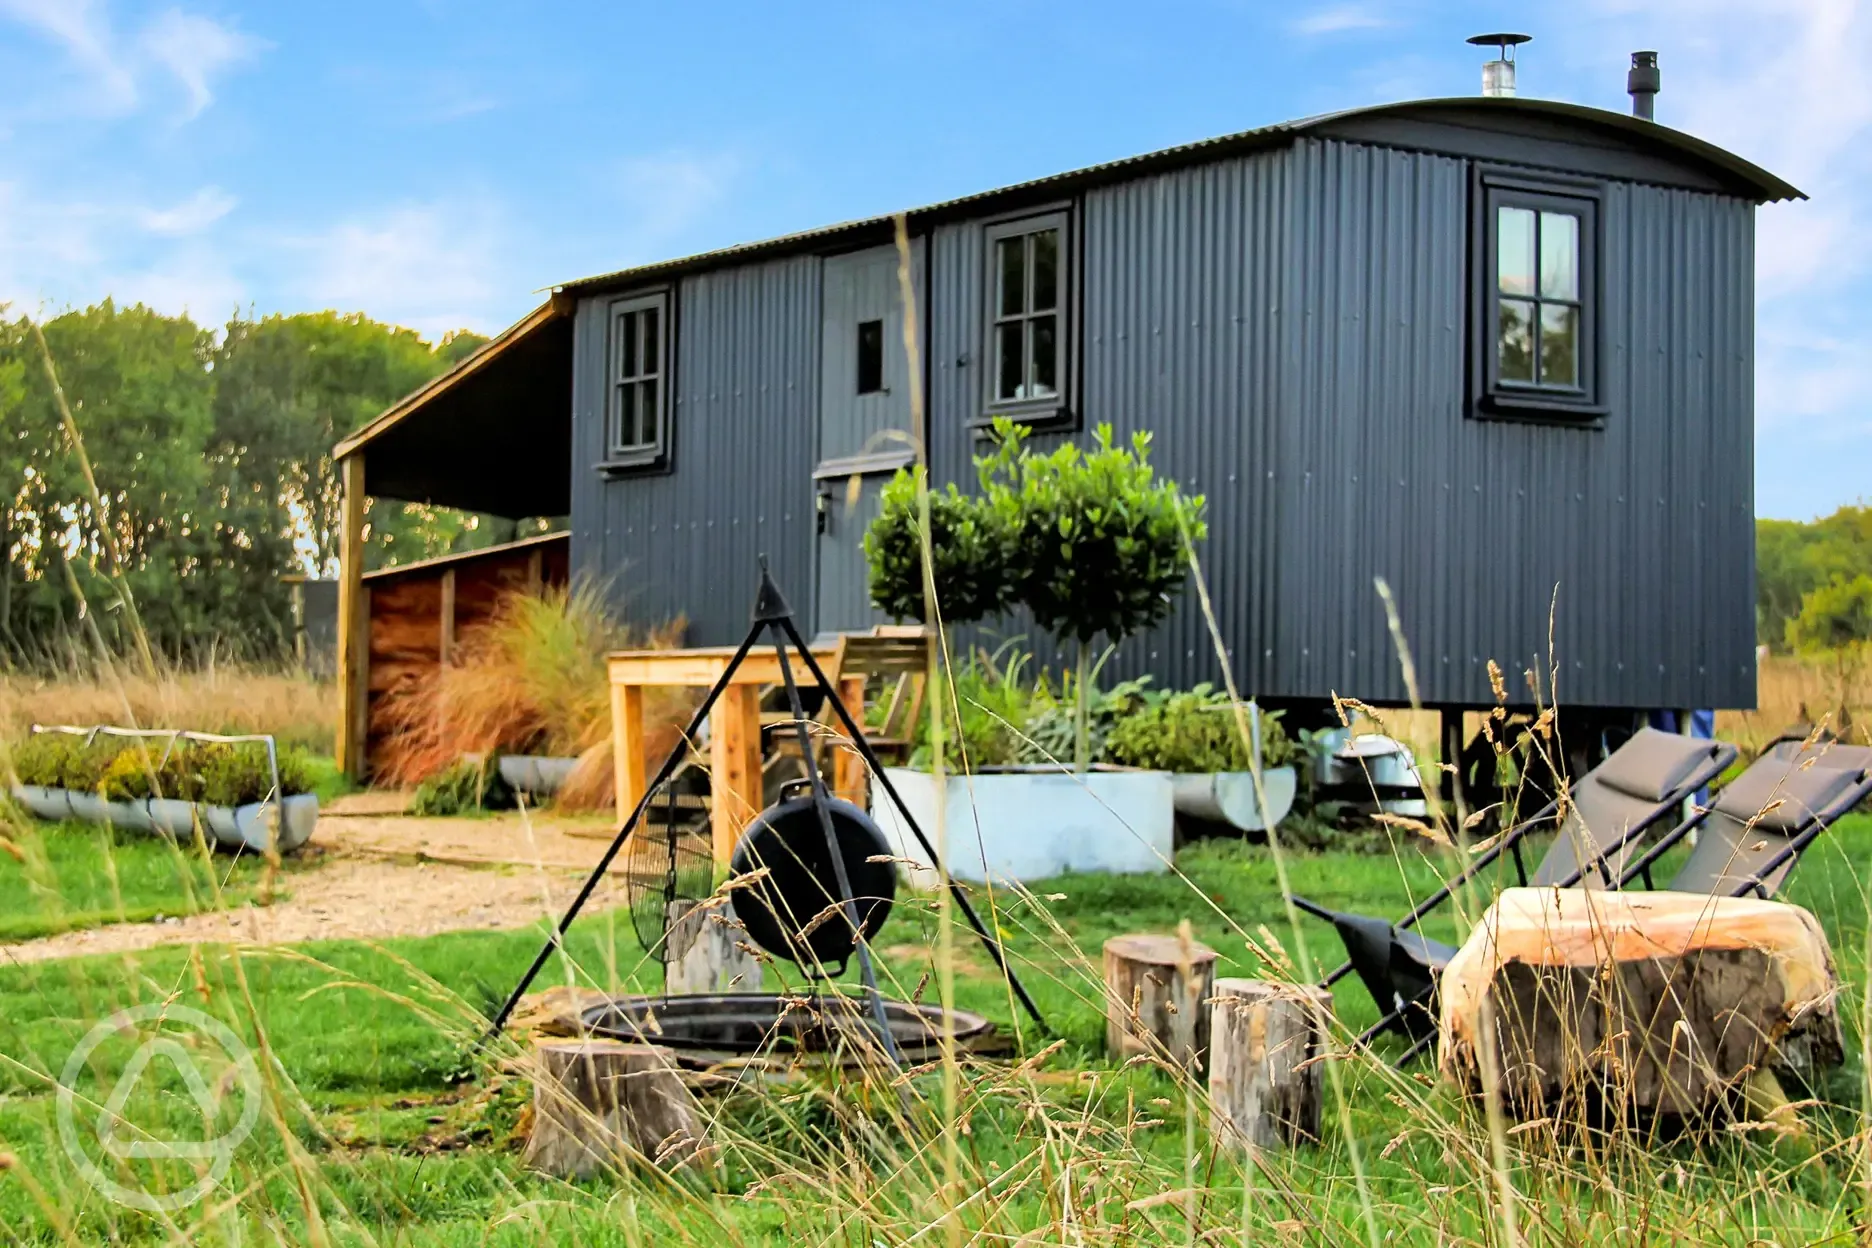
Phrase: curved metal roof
(1725, 167)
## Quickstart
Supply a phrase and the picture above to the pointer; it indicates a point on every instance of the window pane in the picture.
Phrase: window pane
(1045, 270)
(870, 357)
(627, 414)
(1514, 250)
(1559, 345)
(1515, 349)
(651, 355)
(627, 341)
(1008, 362)
(1559, 255)
(647, 413)
(1045, 377)
(1011, 264)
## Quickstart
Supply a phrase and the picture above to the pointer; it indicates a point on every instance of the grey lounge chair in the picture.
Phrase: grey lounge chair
(1753, 834)
(1640, 785)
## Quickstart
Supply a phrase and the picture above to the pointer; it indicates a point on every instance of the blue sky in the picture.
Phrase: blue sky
(435, 163)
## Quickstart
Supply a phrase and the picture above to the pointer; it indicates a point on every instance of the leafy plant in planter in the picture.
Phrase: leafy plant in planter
(1053, 722)
(1194, 730)
(992, 706)
(1100, 540)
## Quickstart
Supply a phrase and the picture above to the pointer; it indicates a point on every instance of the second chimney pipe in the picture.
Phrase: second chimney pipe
(1643, 83)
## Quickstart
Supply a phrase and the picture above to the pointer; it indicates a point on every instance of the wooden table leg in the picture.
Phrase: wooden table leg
(735, 763)
(627, 760)
(848, 768)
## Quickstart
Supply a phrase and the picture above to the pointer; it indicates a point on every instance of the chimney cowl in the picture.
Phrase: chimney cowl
(1643, 83)
(1498, 75)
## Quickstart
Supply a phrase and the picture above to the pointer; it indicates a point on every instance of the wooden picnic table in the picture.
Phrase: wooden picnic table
(735, 722)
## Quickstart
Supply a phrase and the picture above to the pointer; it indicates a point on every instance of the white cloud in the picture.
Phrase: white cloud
(431, 266)
(82, 27)
(667, 192)
(191, 49)
(1339, 18)
(194, 49)
(191, 216)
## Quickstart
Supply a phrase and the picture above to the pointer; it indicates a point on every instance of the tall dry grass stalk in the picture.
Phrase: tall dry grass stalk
(293, 707)
(530, 680)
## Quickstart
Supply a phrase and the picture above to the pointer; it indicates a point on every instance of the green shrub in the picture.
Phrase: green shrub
(992, 704)
(238, 775)
(1194, 730)
(1053, 723)
(141, 771)
(468, 786)
(1835, 616)
(971, 543)
(85, 763)
(41, 758)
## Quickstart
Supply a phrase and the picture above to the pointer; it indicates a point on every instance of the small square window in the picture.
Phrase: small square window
(1534, 312)
(1028, 352)
(870, 357)
(638, 413)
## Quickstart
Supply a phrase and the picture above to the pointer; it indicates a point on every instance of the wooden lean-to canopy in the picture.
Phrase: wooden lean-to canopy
(493, 434)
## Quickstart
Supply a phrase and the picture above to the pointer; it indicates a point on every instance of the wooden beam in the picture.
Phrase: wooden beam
(535, 571)
(353, 621)
(849, 780)
(735, 766)
(627, 757)
(448, 616)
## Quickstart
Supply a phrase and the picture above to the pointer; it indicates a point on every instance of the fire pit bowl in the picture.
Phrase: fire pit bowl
(706, 1028)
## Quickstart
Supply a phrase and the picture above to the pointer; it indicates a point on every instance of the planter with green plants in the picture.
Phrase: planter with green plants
(243, 792)
(1092, 544)
(1209, 743)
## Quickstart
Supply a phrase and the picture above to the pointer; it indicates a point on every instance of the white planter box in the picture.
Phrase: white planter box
(1032, 825)
(1230, 797)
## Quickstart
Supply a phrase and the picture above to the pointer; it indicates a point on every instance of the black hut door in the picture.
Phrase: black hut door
(864, 423)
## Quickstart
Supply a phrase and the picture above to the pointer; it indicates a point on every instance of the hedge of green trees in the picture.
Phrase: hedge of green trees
(1814, 581)
(211, 453)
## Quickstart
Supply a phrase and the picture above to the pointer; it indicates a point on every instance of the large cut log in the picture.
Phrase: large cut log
(1265, 1045)
(1157, 997)
(1618, 1002)
(710, 953)
(600, 1104)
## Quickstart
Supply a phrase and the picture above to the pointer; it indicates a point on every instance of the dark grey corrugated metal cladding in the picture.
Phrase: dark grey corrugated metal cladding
(1637, 535)
(746, 389)
(1290, 321)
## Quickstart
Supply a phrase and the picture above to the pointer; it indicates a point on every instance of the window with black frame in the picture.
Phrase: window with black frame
(639, 398)
(1536, 314)
(1028, 349)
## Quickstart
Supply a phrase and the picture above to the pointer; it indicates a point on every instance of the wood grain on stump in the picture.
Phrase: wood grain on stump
(599, 1104)
(1661, 1002)
(1157, 992)
(1265, 1072)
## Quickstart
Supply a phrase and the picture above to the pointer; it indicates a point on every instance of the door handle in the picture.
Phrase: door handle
(822, 506)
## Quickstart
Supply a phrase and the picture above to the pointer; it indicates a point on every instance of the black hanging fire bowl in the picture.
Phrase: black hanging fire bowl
(705, 1029)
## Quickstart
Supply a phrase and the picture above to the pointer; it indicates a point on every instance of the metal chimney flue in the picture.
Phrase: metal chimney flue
(1498, 75)
(1643, 83)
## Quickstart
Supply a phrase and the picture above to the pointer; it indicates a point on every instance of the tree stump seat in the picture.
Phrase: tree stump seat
(1157, 997)
(1658, 1002)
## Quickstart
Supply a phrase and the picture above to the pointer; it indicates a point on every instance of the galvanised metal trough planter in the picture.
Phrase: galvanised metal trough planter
(1029, 823)
(278, 823)
(1231, 796)
(536, 773)
(282, 826)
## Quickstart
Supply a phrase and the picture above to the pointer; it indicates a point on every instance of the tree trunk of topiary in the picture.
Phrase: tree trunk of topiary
(1082, 710)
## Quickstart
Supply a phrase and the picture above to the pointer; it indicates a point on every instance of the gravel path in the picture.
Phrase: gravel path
(384, 877)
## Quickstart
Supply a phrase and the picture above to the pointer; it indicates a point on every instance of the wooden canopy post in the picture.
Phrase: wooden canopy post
(353, 621)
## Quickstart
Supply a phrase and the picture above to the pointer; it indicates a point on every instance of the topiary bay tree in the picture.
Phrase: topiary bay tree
(1099, 540)
(971, 547)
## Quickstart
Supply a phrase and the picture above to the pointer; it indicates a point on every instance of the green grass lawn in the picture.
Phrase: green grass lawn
(63, 876)
(370, 1123)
